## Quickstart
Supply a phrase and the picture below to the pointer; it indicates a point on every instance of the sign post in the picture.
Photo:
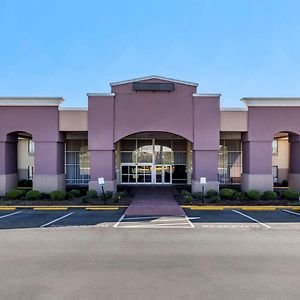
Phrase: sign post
(101, 184)
(203, 184)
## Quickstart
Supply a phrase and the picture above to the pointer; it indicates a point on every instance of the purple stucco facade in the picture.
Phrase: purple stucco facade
(126, 111)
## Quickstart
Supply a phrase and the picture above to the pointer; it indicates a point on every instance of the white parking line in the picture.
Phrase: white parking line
(263, 224)
(14, 213)
(155, 222)
(51, 222)
(291, 212)
(119, 221)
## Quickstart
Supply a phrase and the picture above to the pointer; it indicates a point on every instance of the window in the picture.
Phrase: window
(30, 172)
(30, 147)
(230, 161)
(77, 162)
(275, 147)
(275, 173)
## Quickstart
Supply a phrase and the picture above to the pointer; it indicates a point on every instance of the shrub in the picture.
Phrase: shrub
(285, 183)
(269, 195)
(25, 183)
(211, 193)
(188, 198)
(198, 195)
(14, 194)
(75, 193)
(86, 199)
(91, 193)
(253, 194)
(58, 195)
(215, 199)
(33, 195)
(108, 195)
(116, 197)
(45, 196)
(123, 193)
(240, 196)
(69, 195)
(226, 193)
(290, 194)
(184, 192)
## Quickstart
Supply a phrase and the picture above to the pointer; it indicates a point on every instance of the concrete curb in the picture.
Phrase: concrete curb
(241, 207)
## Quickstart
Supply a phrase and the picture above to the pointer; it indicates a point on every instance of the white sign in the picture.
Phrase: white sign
(101, 181)
(203, 180)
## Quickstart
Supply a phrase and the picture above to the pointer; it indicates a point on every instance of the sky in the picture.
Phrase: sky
(238, 48)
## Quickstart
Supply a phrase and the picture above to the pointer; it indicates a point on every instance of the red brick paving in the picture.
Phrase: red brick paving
(154, 201)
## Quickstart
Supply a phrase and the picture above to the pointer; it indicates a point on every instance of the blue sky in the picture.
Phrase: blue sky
(68, 48)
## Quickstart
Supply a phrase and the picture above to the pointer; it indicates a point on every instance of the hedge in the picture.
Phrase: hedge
(226, 193)
(33, 195)
(57, 195)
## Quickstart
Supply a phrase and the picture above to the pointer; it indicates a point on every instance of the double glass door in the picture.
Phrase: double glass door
(146, 174)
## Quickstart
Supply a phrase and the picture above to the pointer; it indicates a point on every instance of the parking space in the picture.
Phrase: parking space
(28, 218)
(238, 219)
(231, 219)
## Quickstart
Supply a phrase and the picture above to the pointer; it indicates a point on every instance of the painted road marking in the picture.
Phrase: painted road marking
(51, 222)
(155, 222)
(119, 221)
(14, 213)
(291, 212)
(263, 224)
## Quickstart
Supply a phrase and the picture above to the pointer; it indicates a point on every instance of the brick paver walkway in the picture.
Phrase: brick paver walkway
(154, 201)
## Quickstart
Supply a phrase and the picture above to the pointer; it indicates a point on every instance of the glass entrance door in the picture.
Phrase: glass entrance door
(163, 174)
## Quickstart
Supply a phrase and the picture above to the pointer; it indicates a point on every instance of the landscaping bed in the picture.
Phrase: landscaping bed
(59, 198)
(231, 197)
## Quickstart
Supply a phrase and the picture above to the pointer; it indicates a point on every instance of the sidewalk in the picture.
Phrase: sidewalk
(154, 201)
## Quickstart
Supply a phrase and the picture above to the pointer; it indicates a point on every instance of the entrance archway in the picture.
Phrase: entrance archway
(153, 158)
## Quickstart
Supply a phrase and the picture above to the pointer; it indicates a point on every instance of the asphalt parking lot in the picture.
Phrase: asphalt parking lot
(81, 254)
(195, 219)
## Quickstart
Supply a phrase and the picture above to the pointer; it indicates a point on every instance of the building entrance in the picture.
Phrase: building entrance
(160, 160)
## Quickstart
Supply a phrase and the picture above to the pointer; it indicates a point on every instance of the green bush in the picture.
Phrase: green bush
(69, 196)
(75, 193)
(188, 198)
(226, 193)
(184, 192)
(116, 197)
(285, 183)
(86, 199)
(198, 195)
(215, 199)
(45, 196)
(241, 196)
(290, 194)
(211, 193)
(91, 193)
(108, 195)
(269, 195)
(254, 194)
(33, 195)
(58, 195)
(123, 193)
(15, 194)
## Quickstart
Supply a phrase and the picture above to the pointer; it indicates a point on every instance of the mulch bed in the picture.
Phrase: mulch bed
(77, 201)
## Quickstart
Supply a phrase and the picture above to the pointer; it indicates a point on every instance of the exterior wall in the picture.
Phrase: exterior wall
(42, 123)
(263, 124)
(73, 120)
(234, 120)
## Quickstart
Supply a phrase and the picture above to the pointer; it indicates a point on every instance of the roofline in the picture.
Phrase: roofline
(100, 94)
(271, 101)
(206, 95)
(74, 108)
(233, 109)
(154, 77)
(31, 101)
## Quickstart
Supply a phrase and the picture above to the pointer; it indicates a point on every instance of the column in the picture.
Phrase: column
(294, 169)
(49, 172)
(102, 165)
(8, 165)
(205, 164)
(257, 166)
